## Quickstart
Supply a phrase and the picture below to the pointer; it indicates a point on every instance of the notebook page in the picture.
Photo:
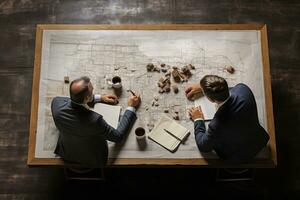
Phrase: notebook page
(178, 130)
(208, 108)
(110, 113)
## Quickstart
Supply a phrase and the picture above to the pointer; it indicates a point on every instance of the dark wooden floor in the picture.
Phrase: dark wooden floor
(18, 19)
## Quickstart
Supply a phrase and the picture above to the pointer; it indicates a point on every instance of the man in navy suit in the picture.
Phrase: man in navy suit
(234, 133)
(84, 133)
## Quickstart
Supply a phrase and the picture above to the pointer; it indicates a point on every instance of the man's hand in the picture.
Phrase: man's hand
(109, 99)
(134, 100)
(196, 112)
(192, 91)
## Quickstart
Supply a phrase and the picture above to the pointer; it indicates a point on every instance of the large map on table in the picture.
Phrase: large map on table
(102, 54)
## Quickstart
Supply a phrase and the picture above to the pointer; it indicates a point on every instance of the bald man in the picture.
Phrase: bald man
(83, 132)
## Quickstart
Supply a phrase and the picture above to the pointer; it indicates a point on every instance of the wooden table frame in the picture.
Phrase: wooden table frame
(201, 162)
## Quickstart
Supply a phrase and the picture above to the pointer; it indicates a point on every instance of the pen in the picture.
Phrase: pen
(131, 92)
(172, 134)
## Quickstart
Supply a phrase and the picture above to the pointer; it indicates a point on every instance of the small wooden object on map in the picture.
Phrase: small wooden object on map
(176, 75)
(175, 88)
(150, 67)
(66, 79)
(229, 69)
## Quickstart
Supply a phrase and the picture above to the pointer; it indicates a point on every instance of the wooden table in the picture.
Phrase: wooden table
(201, 162)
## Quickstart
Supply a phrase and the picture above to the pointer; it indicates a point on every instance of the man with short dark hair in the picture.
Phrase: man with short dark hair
(234, 133)
(83, 132)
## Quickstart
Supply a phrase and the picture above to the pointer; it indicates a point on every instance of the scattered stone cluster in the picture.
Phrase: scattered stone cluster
(179, 75)
(183, 74)
(151, 68)
(164, 83)
(155, 101)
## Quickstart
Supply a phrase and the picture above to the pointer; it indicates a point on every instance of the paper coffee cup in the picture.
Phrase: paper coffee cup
(140, 133)
(116, 82)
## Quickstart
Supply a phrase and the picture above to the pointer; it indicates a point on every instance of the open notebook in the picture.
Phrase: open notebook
(110, 113)
(168, 133)
(208, 108)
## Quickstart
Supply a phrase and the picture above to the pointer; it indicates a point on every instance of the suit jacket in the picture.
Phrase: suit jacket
(84, 133)
(234, 133)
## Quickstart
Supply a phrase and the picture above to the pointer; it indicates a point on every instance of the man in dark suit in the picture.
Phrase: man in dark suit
(84, 133)
(234, 133)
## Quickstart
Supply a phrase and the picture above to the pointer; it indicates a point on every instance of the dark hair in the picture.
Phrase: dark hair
(83, 92)
(215, 87)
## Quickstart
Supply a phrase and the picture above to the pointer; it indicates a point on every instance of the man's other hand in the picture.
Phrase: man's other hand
(109, 99)
(196, 112)
(193, 91)
(134, 100)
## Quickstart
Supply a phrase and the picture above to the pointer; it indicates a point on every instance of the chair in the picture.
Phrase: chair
(235, 174)
(86, 174)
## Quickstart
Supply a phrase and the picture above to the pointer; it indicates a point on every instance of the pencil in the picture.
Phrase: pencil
(172, 134)
(132, 92)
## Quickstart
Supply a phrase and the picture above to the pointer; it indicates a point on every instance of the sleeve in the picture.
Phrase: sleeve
(117, 135)
(97, 98)
(132, 109)
(204, 139)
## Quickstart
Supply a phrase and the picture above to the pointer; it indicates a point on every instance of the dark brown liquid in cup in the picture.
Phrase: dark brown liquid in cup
(140, 131)
(116, 79)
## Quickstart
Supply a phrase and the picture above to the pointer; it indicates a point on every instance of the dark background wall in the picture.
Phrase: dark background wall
(18, 19)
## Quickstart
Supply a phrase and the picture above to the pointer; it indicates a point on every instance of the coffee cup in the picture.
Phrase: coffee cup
(140, 133)
(116, 82)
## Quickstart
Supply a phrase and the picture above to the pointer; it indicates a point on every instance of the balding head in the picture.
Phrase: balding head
(81, 89)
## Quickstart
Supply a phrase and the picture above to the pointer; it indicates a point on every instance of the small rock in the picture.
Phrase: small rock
(157, 69)
(176, 75)
(150, 67)
(166, 110)
(66, 79)
(150, 126)
(164, 70)
(175, 116)
(229, 69)
(153, 103)
(161, 79)
(156, 98)
(156, 104)
(167, 81)
(175, 88)
(160, 84)
(167, 88)
(186, 71)
(117, 68)
(162, 64)
(190, 66)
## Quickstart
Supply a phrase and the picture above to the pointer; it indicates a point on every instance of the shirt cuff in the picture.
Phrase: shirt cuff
(97, 98)
(198, 119)
(130, 108)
